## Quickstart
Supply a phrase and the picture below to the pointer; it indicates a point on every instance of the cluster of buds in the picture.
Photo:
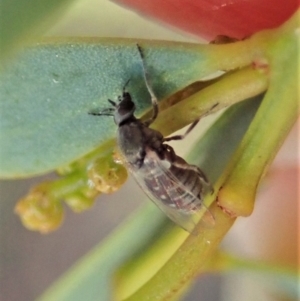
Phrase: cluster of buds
(78, 186)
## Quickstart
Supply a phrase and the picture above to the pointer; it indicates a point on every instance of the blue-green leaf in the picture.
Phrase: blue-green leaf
(46, 94)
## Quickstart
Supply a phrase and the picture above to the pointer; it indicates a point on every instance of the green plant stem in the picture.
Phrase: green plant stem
(232, 88)
(188, 261)
(105, 149)
(144, 265)
(273, 121)
(66, 185)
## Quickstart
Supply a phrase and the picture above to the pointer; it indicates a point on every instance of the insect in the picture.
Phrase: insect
(175, 186)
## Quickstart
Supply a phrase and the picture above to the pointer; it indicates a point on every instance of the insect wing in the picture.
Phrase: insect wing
(168, 193)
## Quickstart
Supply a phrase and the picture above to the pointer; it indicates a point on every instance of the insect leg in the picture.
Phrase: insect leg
(150, 90)
(180, 137)
(105, 112)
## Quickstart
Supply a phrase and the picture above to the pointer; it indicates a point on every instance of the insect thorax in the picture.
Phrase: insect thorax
(133, 140)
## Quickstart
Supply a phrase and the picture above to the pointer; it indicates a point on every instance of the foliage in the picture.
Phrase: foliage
(53, 96)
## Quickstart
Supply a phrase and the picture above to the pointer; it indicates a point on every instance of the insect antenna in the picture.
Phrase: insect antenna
(126, 84)
(120, 97)
(105, 112)
(149, 88)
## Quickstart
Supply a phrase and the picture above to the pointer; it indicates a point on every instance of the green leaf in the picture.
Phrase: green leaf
(21, 19)
(46, 94)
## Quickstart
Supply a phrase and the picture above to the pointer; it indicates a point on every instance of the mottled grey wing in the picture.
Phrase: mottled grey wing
(168, 193)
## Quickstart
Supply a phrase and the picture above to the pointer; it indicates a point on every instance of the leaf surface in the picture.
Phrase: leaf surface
(47, 92)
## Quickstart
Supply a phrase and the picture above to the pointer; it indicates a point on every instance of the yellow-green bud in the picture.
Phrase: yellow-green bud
(107, 175)
(39, 210)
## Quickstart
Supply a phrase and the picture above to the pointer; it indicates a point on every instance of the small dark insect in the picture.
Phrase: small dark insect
(175, 186)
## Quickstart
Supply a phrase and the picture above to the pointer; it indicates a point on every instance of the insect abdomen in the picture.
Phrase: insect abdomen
(190, 180)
